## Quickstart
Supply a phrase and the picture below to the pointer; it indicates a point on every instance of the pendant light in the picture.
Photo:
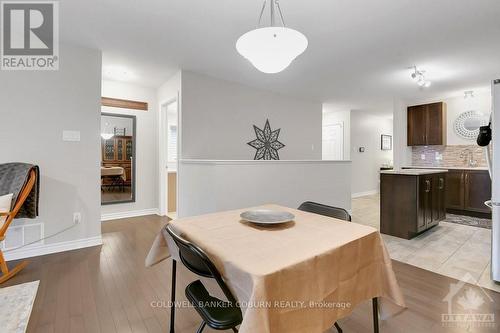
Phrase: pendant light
(106, 134)
(271, 49)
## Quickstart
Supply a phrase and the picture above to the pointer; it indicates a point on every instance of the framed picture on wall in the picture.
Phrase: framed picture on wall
(386, 142)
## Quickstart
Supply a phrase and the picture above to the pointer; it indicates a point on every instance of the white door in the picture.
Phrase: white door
(333, 141)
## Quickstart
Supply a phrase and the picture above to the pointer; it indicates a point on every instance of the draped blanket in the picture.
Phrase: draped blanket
(13, 176)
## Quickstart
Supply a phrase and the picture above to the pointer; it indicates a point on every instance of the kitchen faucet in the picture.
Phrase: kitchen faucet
(468, 156)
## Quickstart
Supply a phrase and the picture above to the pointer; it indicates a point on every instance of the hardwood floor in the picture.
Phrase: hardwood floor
(108, 289)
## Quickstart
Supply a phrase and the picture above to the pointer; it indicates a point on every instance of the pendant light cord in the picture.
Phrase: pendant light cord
(281, 14)
(261, 13)
(272, 4)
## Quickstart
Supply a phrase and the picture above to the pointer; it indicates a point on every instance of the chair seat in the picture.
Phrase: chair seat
(218, 314)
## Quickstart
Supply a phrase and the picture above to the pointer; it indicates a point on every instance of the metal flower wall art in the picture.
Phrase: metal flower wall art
(266, 144)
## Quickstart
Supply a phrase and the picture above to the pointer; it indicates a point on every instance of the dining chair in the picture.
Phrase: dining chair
(317, 208)
(217, 314)
(6, 272)
(341, 214)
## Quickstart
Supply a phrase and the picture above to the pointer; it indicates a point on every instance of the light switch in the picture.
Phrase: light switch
(71, 136)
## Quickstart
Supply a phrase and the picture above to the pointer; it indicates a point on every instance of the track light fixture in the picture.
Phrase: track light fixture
(468, 94)
(419, 77)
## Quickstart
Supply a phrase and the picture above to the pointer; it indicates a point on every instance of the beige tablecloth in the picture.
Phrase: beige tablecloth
(300, 277)
(113, 171)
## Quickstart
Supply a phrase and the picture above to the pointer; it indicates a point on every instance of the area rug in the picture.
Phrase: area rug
(468, 220)
(16, 303)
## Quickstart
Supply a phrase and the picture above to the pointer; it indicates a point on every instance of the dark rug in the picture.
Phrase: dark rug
(468, 220)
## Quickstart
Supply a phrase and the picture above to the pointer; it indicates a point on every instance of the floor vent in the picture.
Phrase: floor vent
(23, 234)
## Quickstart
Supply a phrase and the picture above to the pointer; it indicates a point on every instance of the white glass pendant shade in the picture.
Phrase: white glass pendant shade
(271, 49)
(106, 136)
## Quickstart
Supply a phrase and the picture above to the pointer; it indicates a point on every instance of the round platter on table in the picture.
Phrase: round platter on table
(266, 217)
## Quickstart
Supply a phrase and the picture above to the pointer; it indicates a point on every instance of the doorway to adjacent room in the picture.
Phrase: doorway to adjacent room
(168, 136)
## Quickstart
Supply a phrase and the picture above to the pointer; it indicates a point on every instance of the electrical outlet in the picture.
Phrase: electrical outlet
(422, 156)
(77, 218)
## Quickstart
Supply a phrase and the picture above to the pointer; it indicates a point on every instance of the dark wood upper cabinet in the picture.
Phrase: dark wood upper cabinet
(426, 124)
(416, 125)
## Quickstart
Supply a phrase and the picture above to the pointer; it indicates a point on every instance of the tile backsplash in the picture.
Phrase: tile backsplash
(448, 156)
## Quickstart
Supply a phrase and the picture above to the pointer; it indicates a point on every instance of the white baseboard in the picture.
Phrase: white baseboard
(42, 249)
(130, 213)
(362, 194)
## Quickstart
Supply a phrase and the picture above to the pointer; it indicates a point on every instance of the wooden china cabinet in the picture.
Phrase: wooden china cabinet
(118, 151)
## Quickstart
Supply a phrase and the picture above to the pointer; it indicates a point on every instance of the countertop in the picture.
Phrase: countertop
(413, 172)
(447, 168)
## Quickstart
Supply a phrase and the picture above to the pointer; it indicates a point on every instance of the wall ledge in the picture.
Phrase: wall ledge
(261, 162)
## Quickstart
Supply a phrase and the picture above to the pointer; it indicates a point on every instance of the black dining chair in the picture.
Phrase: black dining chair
(317, 208)
(216, 313)
(341, 214)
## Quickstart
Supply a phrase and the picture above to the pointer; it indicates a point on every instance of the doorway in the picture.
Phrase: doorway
(169, 133)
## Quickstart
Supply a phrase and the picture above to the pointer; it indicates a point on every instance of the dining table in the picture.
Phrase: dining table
(300, 276)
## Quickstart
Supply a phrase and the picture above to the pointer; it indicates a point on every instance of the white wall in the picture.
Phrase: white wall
(366, 130)
(211, 186)
(455, 106)
(35, 107)
(402, 153)
(218, 118)
(333, 116)
(146, 195)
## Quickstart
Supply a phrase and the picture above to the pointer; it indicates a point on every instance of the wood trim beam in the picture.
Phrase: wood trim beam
(124, 103)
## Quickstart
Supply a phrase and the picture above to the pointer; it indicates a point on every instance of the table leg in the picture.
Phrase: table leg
(172, 295)
(375, 314)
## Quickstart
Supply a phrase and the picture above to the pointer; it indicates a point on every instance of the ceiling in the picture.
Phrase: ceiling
(358, 54)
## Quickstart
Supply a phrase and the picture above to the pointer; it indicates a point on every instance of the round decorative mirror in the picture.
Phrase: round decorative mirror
(467, 124)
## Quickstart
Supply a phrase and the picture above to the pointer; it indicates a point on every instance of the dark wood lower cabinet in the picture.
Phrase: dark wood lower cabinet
(477, 191)
(424, 202)
(411, 204)
(438, 198)
(455, 189)
(467, 190)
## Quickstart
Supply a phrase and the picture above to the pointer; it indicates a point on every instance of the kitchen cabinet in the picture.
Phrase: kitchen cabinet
(455, 189)
(411, 201)
(467, 191)
(426, 124)
(439, 197)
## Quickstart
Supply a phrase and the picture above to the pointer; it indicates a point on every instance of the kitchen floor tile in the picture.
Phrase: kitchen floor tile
(449, 249)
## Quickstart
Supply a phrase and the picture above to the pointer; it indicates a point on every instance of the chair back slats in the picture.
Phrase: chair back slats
(196, 260)
(317, 208)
